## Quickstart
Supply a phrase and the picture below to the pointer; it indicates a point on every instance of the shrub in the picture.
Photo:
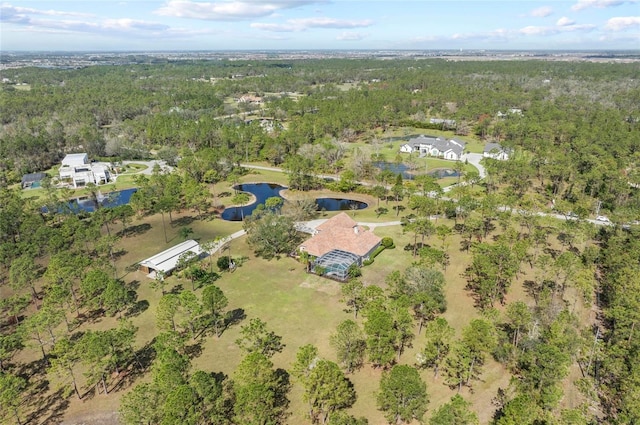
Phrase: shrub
(375, 253)
(367, 262)
(223, 263)
(354, 271)
(387, 242)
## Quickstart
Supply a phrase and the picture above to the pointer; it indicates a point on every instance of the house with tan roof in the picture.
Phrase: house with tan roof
(339, 243)
(343, 233)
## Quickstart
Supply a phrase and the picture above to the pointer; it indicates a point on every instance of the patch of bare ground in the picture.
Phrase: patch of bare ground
(105, 418)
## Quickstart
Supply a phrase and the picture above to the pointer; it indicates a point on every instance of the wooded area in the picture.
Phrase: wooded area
(555, 302)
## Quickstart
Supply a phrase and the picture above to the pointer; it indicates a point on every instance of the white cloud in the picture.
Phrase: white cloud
(50, 21)
(622, 23)
(561, 27)
(228, 10)
(132, 25)
(495, 35)
(303, 24)
(351, 36)
(599, 4)
(535, 30)
(8, 11)
(564, 21)
(541, 12)
(116, 27)
(273, 27)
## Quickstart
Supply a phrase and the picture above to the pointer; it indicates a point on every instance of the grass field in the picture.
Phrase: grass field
(305, 309)
(302, 308)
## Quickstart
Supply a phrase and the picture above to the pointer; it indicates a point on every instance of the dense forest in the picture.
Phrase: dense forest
(551, 333)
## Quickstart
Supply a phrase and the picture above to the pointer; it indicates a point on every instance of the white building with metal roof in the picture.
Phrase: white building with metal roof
(166, 261)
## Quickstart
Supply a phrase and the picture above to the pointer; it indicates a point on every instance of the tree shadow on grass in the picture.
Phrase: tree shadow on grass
(139, 364)
(91, 316)
(135, 230)
(144, 357)
(49, 409)
(194, 350)
(233, 318)
(183, 221)
(120, 253)
(554, 253)
(35, 368)
(134, 285)
(137, 308)
(465, 244)
(41, 408)
(419, 245)
(176, 289)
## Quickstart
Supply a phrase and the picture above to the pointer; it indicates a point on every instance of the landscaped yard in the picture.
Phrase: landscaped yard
(302, 308)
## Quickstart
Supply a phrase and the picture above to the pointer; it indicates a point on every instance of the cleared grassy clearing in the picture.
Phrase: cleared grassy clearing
(303, 309)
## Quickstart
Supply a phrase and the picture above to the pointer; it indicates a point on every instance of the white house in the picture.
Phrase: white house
(77, 170)
(406, 148)
(435, 146)
(496, 151)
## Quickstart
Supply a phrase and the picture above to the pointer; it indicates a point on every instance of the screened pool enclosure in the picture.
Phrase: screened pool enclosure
(335, 264)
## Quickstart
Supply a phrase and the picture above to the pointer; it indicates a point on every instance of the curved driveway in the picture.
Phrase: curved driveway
(150, 164)
(474, 159)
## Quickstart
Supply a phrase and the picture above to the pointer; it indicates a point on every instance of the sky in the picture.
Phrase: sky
(135, 25)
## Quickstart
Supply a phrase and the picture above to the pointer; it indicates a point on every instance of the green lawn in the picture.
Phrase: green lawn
(302, 308)
(305, 309)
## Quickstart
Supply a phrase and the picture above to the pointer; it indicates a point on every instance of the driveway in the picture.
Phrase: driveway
(150, 164)
(474, 159)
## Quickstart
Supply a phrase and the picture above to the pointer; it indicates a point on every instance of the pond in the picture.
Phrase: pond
(397, 138)
(395, 168)
(108, 200)
(400, 168)
(264, 191)
(337, 204)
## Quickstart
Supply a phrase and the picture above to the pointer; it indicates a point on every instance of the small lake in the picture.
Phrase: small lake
(337, 204)
(107, 200)
(404, 169)
(395, 168)
(264, 191)
(397, 138)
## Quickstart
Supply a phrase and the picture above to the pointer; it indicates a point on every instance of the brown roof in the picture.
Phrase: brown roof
(341, 232)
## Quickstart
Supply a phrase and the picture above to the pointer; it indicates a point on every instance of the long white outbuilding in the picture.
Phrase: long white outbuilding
(167, 260)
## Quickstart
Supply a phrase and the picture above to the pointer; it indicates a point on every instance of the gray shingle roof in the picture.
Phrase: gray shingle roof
(440, 143)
